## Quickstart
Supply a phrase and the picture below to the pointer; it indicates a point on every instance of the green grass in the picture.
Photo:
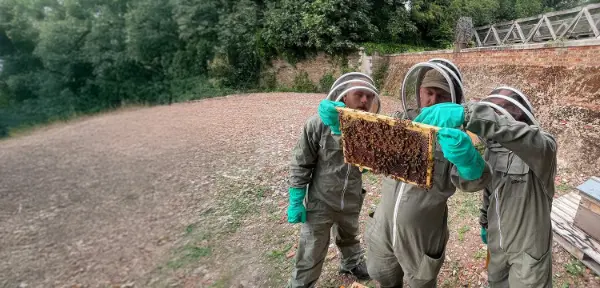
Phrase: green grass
(279, 254)
(480, 254)
(575, 267)
(461, 233)
(372, 178)
(469, 206)
(189, 254)
(453, 279)
(281, 265)
(223, 282)
(189, 229)
(563, 187)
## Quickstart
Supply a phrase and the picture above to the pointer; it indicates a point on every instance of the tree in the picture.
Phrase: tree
(526, 8)
(482, 12)
(198, 25)
(239, 54)
(337, 26)
(434, 20)
(284, 30)
(393, 21)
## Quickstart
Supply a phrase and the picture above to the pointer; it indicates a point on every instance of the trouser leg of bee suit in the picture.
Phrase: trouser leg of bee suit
(498, 270)
(515, 270)
(418, 251)
(384, 267)
(345, 232)
(314, 243)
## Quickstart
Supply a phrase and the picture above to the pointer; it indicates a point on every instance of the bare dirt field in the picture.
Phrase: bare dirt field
(187, 195)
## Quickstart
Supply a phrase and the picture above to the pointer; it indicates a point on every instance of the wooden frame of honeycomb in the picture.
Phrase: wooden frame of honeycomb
(394, 147)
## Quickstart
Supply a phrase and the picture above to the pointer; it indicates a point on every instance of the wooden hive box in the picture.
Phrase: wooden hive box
(588, 212)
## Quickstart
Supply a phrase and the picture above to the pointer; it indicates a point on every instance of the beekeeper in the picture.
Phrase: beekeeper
(326, 194)
(515, 217)
(408, 233)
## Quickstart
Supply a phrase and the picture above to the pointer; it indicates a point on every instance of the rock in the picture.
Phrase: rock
(290, 254)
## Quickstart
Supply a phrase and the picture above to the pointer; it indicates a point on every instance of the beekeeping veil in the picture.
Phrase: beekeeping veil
(508, 94)
(351, 82)
(511, 103)
(411, 98)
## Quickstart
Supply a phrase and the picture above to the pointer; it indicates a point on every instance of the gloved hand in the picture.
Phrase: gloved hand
(330, 116)
(484, 235)
(459, 150)
(296, 211)
(446, 115)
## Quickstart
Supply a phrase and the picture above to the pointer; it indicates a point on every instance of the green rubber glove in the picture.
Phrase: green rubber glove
(447, 115)
(296, 211)
(459, 150)
(330, 116)
(484, 235)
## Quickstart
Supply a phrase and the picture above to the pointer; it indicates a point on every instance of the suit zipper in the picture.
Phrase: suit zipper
(345, 186)
(498, 214)
(396, 207)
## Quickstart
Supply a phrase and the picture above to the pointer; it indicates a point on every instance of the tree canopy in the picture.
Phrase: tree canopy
(59, 58)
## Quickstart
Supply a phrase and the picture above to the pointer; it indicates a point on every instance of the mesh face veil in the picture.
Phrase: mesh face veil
(512, 103)
(411, 98)
(356, 80)
(350, 76)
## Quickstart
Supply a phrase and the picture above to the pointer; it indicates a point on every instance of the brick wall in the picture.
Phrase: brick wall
(563, 84)
(578, 56)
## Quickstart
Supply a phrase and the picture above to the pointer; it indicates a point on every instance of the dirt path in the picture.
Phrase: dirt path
(188, 195)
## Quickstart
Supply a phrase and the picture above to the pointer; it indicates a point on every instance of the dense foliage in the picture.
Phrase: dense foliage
(60, 58)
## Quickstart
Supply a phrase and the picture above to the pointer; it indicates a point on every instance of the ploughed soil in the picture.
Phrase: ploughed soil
(187, 195)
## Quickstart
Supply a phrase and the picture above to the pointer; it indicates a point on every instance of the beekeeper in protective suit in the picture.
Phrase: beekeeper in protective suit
(517, 203)
(325, 193)
(408, 233)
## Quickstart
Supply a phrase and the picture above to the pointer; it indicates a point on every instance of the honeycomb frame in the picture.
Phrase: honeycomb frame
(415, 137)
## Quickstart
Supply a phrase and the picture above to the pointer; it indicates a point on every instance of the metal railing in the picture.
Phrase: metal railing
(577, 23)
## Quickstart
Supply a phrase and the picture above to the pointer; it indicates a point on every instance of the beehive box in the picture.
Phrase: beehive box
(397, 148)
(588, 212)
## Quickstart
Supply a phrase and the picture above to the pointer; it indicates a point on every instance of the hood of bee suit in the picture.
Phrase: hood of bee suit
(349, 82)
(439, 73)
(524, 105)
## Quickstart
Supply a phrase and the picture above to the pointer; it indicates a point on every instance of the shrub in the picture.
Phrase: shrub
(302, 83)
(326, 81)
(380, 73)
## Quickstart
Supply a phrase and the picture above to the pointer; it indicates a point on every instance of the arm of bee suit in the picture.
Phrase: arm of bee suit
(305, 154)
(534, 146)
(475, 185)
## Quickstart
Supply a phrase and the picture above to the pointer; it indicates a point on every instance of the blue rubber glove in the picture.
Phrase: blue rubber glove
(484, 235)
(330, 116)
(296, 211)
(459, 150)
(447, 115)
